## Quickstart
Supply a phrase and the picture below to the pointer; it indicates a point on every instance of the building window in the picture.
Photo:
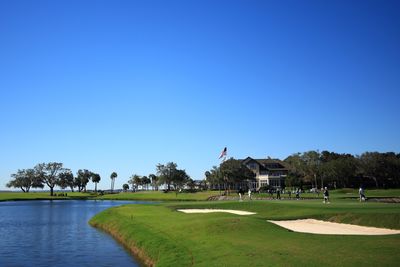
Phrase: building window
(252, 166)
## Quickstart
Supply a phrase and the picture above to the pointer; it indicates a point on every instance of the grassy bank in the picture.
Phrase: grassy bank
(142, 195)
(15, 196)
(166, 237)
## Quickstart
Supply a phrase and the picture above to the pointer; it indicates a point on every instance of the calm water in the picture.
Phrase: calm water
(57, 233)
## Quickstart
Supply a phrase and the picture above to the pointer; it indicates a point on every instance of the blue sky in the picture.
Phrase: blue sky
(124, 85)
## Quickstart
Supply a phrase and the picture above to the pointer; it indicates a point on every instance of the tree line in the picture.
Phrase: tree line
(166, 174)
(319, 169)
(54, 174)
(311, 168)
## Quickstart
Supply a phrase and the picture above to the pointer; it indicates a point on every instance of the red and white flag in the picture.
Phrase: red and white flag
(223, 153)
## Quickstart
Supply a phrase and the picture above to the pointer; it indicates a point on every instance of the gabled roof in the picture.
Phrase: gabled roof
(270, 164)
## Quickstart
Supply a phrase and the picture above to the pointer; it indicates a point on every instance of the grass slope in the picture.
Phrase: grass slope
(169, 238)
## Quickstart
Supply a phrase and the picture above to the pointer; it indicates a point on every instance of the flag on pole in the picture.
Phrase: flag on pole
(223, 153)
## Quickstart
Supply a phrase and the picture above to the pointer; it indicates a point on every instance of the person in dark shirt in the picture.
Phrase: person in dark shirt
(326, 195)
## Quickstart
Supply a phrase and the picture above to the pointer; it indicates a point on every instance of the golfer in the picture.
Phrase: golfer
(326, 195)
(361, 193)
(240, 192)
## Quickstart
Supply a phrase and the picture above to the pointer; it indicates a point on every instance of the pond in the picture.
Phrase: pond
(57, 233)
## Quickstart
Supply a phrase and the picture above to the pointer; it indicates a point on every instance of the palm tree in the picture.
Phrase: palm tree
(137, 180)
(125, 187)
(95, 179)
(146, 181)
(154, 180)
(112, 177)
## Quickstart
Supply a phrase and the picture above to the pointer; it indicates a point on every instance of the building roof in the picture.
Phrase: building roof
(270, 164)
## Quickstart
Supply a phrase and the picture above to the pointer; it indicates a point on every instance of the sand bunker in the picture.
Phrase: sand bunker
(237, 212)
(329, 228)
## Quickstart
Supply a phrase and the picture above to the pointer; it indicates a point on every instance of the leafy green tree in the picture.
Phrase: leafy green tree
(234, 172)
(297, 169)
(328, 173)
(112, 177)
(138, 180)
(214, 178)
(169, 174)
(202, 184)
(146, 181)
(49, 173)
(180, 178)
(345, 170)
(311, 165)
(382, 168)
(82, 179)
(66, 180)
(166, 173)
(125, 187)
(95, 179)
(191, 184)
(25, 179)
(135, 181)
(327, 156)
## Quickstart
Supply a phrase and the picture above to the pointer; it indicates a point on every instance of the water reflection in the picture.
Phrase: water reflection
(57, 233)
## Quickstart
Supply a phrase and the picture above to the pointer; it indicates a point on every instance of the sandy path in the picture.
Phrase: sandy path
(237, 212)
(329, 228)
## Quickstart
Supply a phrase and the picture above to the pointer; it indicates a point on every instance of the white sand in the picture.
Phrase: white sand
(237, 212)
(329, 228)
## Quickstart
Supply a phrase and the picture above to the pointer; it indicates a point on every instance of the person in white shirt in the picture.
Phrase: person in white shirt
(361, 193)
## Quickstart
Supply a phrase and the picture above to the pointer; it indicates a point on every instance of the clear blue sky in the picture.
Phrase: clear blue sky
(124, 85)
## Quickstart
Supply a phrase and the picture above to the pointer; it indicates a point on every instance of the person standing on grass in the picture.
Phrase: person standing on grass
(249, 192)
(361, 193)
(240, 193)
(271, 194)
(326, 195)
(278, 193)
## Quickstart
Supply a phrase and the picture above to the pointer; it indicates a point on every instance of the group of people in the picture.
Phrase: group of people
(271, 194)
(278, 194)
(361, 194)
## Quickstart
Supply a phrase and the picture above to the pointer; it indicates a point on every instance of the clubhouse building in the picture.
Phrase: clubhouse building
(268, 172)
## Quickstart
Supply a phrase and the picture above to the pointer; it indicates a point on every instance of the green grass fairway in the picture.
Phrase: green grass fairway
(340, 194)
(161, 196)
(171, 238)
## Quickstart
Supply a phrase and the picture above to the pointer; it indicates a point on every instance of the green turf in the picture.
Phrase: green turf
(172, 238)
(199, 196)
(369, 193)
(160, 196)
